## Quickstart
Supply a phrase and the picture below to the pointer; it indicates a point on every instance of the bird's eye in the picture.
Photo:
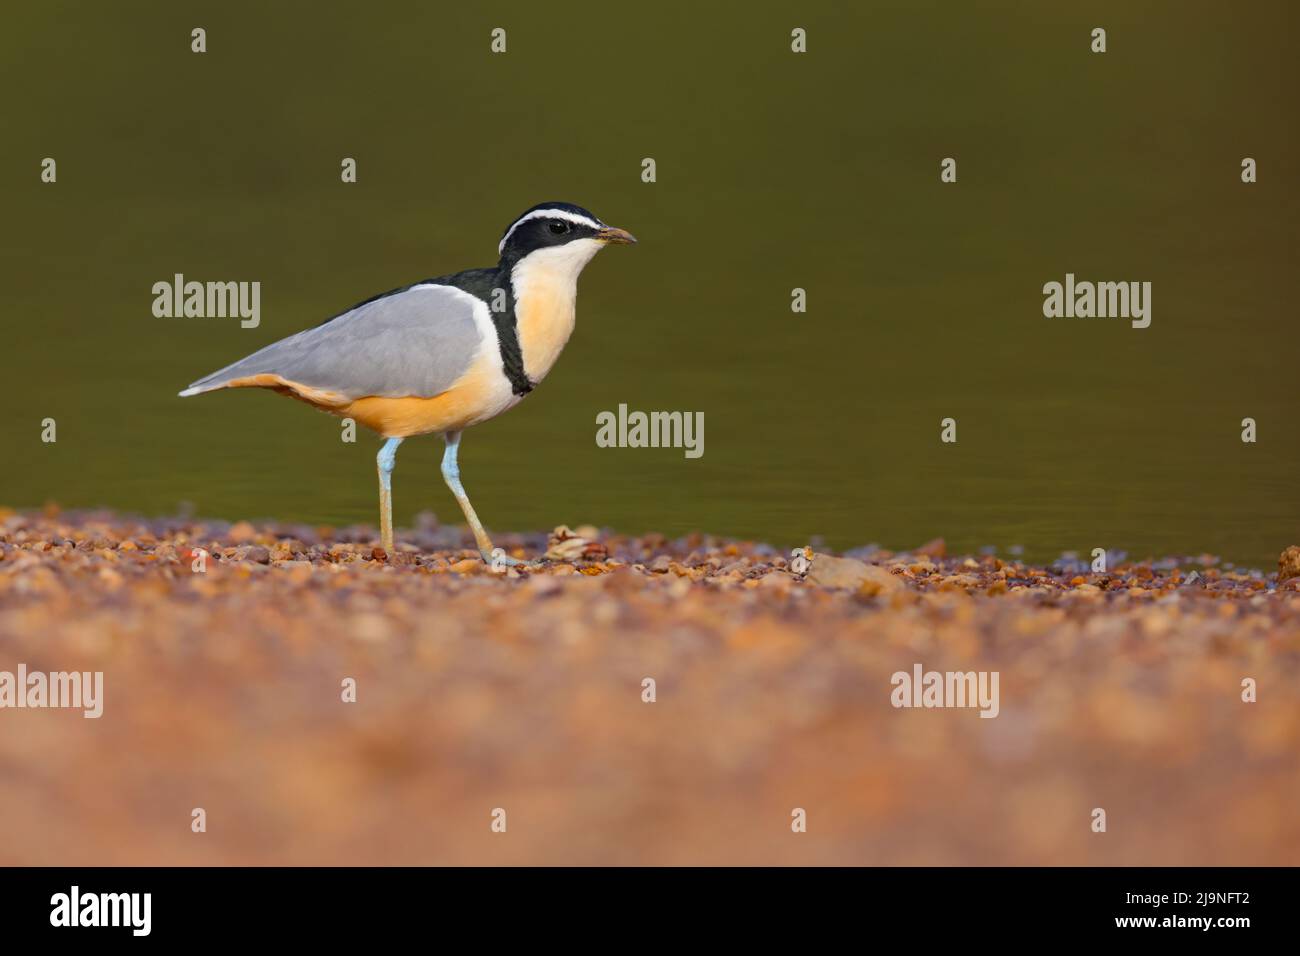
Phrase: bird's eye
(558, 227)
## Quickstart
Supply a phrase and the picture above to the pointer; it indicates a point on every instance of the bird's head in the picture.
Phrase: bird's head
(559, 235)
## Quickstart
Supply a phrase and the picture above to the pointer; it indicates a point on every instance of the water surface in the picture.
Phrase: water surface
(775, 171)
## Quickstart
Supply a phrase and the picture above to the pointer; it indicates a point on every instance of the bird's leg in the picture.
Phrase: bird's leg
(451, 475)
(386, 458)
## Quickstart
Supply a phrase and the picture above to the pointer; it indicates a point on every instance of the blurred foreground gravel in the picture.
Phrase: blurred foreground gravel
(523, 691)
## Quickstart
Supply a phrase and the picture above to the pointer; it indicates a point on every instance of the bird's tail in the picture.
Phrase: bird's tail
(209, 383)
(233, 375)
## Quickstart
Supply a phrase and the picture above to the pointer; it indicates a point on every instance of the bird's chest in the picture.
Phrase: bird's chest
(544, 317)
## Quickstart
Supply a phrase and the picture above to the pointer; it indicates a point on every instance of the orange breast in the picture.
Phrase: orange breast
(545, 313)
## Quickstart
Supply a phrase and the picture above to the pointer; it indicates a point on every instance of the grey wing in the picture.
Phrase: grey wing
(415, 342)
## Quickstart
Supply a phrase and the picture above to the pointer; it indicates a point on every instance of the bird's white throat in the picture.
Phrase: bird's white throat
(545, 285)
(555, 264)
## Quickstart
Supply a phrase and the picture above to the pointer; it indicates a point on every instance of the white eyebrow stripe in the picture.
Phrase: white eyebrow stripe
(572, 217)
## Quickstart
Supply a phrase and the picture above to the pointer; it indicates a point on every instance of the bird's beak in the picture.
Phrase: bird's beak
(619, 236)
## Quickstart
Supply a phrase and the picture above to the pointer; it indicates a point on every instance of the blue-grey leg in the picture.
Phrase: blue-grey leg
(451, 475)
(386, 458)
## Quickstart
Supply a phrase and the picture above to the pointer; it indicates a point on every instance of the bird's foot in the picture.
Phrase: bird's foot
(497, 560)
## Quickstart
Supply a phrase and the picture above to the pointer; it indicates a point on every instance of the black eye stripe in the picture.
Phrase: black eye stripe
(552, 224)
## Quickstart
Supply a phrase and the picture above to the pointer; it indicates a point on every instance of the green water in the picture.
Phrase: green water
(774, 171)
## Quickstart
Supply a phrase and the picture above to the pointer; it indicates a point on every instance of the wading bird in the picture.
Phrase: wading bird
(440, 355)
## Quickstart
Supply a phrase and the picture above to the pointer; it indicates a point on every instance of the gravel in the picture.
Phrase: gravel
(526, 691)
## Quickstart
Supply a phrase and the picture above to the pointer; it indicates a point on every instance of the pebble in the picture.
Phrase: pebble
(1288, 564)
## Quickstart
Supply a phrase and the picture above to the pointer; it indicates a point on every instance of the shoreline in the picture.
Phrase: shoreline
(434, 547)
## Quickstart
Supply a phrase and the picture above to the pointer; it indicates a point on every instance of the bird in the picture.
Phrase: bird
(442, 354)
